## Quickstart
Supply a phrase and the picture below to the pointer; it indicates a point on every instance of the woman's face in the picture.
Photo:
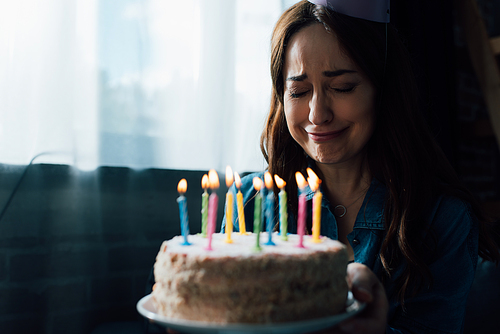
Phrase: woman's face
(329, 102)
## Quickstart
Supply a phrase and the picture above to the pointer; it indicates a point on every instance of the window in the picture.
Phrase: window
(138, 83)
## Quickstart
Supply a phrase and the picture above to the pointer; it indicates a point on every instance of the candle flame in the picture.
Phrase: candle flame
(279, 181)
(268, 180)
(182, 186)
(229, 176)
(213, 179)
(313, 179)
(237, 180)
(301, 181)
(204, 182)
(257, 183)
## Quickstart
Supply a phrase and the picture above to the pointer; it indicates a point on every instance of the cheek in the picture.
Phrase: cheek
(368, 123)
(289, 114)
(291, 122)
(362, 112)
(295, 113)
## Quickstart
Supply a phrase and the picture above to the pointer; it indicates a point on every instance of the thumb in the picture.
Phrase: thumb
(362, 282)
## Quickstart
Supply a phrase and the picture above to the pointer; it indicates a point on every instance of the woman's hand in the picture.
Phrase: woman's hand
(366, 288)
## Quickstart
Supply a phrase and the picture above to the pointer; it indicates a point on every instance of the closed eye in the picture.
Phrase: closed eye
(296, 95)
(346, 89)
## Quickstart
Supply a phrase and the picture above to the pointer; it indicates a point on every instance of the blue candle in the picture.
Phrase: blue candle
(182, 188)
(283, 207)
(268, 180)
(270, 217)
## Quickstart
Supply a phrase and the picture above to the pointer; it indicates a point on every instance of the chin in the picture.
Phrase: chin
(326, 160)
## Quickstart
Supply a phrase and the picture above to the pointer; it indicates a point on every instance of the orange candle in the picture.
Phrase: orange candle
(229, 205)
(239, 203)
(314, 183)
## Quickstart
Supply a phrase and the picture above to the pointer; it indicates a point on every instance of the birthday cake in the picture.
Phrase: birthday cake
(234, 283)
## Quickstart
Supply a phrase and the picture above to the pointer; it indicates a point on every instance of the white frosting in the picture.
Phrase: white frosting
(234, 283)
(244, 245)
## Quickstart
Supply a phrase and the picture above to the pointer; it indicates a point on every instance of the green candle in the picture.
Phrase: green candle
(204, 213)
(204, 206)
(283, 215)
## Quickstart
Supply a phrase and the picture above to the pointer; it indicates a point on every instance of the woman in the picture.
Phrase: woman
(344, 103)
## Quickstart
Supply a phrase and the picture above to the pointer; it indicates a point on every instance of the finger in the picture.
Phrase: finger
(366, 287)
(362, 281)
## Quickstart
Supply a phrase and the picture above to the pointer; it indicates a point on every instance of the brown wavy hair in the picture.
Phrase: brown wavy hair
(402, 153)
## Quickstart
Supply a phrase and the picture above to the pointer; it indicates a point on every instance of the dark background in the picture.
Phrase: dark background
(76, 248)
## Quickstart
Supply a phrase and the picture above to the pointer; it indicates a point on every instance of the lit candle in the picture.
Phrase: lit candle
(229, 205)
(314, 183)
(239, 201)
(204, 206)
(213, 202)
(257, 184)
(283, 207)
(182, 188)
(301, 219)
(268, 181)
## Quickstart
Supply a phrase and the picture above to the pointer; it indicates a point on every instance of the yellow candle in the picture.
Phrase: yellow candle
(314, 182)
(239, 203)
(229, 215)
(229, 205)
(317, 216)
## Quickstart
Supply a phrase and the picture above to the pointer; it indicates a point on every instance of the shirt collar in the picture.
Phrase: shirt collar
(371, 214)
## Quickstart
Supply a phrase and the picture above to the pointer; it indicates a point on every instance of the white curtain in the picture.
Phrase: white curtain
(137, 83)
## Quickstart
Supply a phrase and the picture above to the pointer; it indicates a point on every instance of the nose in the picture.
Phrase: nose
(320, 111)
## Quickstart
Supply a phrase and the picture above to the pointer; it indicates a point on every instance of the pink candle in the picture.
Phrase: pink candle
(213, 203)
(301, 219)
(229, 205)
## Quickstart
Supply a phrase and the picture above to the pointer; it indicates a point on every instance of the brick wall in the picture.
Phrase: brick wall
(76, 248)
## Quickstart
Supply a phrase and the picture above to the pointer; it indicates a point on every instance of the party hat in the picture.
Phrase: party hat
(373, 10)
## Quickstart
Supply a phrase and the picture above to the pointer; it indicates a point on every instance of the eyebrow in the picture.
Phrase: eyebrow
(328, 74)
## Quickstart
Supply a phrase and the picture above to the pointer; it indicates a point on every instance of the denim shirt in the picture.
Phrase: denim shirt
(439, 308)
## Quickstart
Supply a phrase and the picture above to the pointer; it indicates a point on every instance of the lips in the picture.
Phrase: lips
(325, 136)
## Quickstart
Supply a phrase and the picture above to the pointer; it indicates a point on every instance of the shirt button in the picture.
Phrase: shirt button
(355, 242)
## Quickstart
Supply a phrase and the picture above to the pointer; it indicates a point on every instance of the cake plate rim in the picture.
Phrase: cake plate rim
(146, 308)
